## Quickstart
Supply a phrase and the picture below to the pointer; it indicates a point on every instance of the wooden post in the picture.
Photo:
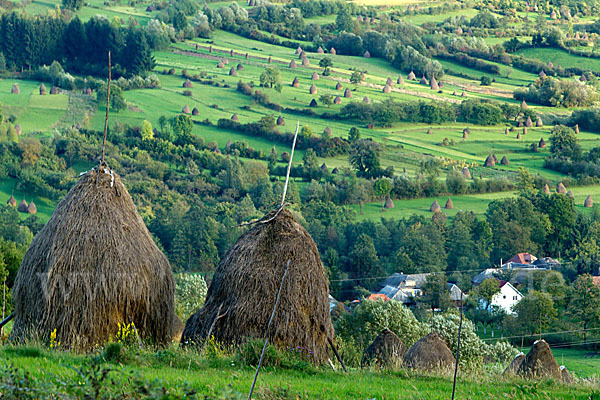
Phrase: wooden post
(337, 355)
(289, 168)
(217, 316)
(458, 346)
(107, 106)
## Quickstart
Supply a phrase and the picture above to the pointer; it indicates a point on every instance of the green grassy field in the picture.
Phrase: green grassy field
(562, 58)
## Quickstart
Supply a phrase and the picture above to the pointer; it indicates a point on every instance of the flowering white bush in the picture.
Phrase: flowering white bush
(190, 293)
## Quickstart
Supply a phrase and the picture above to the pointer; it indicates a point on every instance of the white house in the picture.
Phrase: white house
(506, 298)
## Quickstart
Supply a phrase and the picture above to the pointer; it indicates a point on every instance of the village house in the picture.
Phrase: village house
(506, 299)
(407, 288)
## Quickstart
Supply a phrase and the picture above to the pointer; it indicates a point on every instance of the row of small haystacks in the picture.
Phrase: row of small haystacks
(53, 90)
(245, 285)
(92, 267)
(23, 207)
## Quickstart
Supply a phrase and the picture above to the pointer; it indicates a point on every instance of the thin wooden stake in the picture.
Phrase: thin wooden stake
(107, 106)
(337, 355)
(217, 316)
(458, 346)
(7, 320)
(287, 175)
(269, 328)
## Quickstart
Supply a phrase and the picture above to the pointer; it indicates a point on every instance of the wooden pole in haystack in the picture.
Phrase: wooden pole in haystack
(289, 168)
(458, 346)
(107, 105)
(269, 325)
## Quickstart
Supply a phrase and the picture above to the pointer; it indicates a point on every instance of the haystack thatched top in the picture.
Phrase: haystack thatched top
(324, 167)
(298, 50)
(386, 351)
(335, 170)
(467, 131)
(577, 129)
(519, 135)
(92, 267)
(347, 93)
(188, 84)
(12, 201)
(185, 109)
(388, 203)
(560, 188)
(22, 206)
(433, 84)
(429, 353)
(449, 205)
(540, 363)
(246, 282)
(588, 203)
(435, 207)
(302, 55)
(542, 74)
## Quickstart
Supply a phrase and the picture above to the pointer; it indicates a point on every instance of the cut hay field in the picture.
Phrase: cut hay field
(221, 377)
(45, 207)
(562, 58)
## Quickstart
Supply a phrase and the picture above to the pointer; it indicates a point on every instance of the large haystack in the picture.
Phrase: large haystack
(539, 362)
(515, 364)
(489, 161)
(92, 267)
(429, 353)
(245, 285)
(386, 351)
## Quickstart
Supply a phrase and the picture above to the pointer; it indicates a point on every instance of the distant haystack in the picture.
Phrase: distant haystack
(186, 109)
(15, 89)
(270, 60)
(429, 131)
(313, 89)
(337, 100)
(245, 285)
(232, 72)
(565, 376)
(362, 76)
(305, 62)
(524, 105)
(449, 205)
(539, 123)
(560, 188)
(540, 363)
(347, 93)
(292, 64)
(320, 50)
(546, 189)
(433, 84)
(435, 207)
(411, 76)
(18, 129)
(239, 67)
(367, 54)
(313, 103)
(389, 82)
(463, 94)
(296, 82)
(577, 129)
(280, 121)
(519, 136)
(387, 351)
(466, 173)
(42, 89)
(524, 130)
(315, 76)
(54, 89)
(489, 161)
(429, 353)
(388, 203)
(298, 51)
(22, 206)
(327, 131)
(542, 143)
(188, 84)
(12, 201)
(504, 161)
(332, 51)
(400, 80)
(588, 203)
(423, 80)
(506, 131)
(366, 100)
(571, 195)
(31, 208)
(387, 89)
(235, 118)
(338, 86)
(94, 266)
(195, 111)
(220, 64)
(528, 122)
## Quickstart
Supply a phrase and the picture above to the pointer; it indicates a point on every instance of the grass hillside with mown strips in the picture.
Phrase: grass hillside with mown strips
(219, 376)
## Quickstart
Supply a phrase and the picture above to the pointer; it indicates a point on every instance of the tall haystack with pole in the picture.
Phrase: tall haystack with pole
(15, 89)
(42, 89)
(23, 206)
(429, 353)
(388, 203)
(411, 76)
(435, 207)
(276, 255)
(560, 188)
(92, 267)
(588, 203)
(546, 189)
(466, 173)
(12, 201)
(540, 363)
(387, 351)
(515, 364)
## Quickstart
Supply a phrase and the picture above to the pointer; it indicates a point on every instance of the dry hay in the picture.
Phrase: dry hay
(313, 89)
(565, 376)
(524, 130)
(31, 208)
(466, 173)
(523, 105)
(327, 131)
(400, 80)
(15, 89)
(386, 351)
(576, 129)
(332, 51)
(506, 131)
(433, 84)
(315, 76)
(335, 170)
(519, 136)
(245, 286)
(220, 64)
(270, 60)
(42, 89)
(388, 203)
(411, 76)
(430, 131)
(435, 207)
(292, 64)
(232, 72)
(12, 201)
(489, 161)
(302, 55)
(54, 90)
(177, 329)
(188, 84)
(539, 123)
(280, 121)
(429, 353)
(387, 89)
(423, 80)
(362, 76)
(235, 118)
(195, 111)
(449, 205)
(239, 67)
(296, 82)
(337, 100)
(347, 93)
(560, 188)
(542, 143)
(539, 362)
(367, 54)
(546, 189)
(305, 62)
(22, 206)
(320, 50)
(504, 161)
(313, 103)
(366, 100)
(514, 365)
(389, 82)
(571, 195)
(298, 50)
(324, 167)
(588, 203)
(186, 109)
(528, 122)
(338, 86)
(92, 267)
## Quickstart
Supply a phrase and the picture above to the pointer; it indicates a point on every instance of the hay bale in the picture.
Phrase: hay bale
(466, 173)
(495, 158)
(177, 329)
(519, 136)
(15, 89)
(315, 76)
(489, 161)
(302, 55)
(571, 195)
(539, 362)
(195, 111)
(31, 208)
(388, 203)
(313, 89)
(565, 376)
(42, 89)
(367, 54)
(54, 89)
(186, 109)
(514, 365)
(337, 100)
(97, 266)
(280, 121)
(463, 94)
(546, 189)
(246, 282)
(449, 205)
(332, 51)
(387, 89)
(338, 86)
(386, 351)
(435, 207)
(560, 188)
(429, 353)
(366, 100)
(296, 82)
(504, 161)
(188, 84)
(12, 201)
(347, 93)
(235, 118)
(313, 103)
(239, 67)
(292, 64)
(588, 203)
(411, 76)
(542, 143)
(232, 72)
(298, 51)
(22, 206)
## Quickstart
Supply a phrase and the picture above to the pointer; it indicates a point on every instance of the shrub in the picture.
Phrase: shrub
(190, 292)
(187, 93)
